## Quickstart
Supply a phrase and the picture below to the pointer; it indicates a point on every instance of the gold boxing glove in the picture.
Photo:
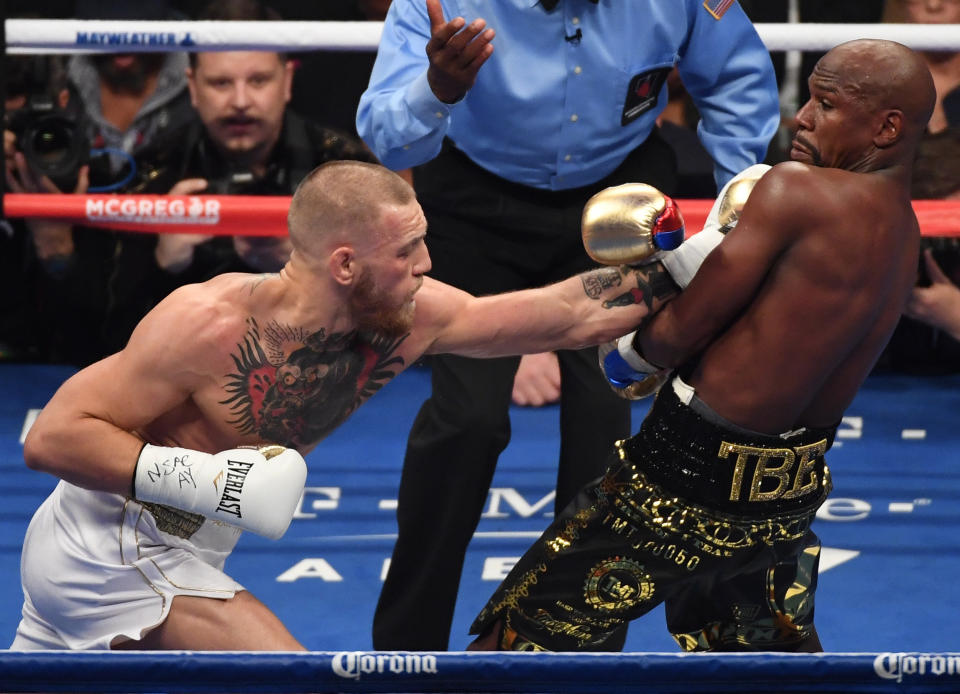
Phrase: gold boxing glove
(627, 372)
(630, 224)
(683, 262)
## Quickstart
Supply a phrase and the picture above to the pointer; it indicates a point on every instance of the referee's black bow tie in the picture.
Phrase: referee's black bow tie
(550, 4)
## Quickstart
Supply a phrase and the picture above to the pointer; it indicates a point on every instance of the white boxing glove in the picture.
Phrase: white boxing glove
(627, 372)
(255, 489)
(683, 262)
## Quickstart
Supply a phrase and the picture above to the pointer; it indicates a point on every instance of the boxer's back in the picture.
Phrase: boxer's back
(798, 353)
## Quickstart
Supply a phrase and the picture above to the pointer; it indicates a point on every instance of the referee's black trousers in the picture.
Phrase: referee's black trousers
(486, 236)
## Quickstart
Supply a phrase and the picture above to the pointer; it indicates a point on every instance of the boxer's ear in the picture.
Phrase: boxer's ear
(890, 129)
(343, 265)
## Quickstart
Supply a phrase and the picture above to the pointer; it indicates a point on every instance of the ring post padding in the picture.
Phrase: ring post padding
(557, 673)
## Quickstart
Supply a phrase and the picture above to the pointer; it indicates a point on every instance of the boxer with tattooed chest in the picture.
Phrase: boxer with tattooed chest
(196, 430)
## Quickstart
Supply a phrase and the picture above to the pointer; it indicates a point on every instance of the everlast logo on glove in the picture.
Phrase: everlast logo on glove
(236, 475)
(642, 93)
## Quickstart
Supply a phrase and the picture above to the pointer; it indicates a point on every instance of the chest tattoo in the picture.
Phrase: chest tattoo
(294, 389)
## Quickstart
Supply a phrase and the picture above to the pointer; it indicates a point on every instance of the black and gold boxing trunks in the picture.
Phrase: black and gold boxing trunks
(710, 518)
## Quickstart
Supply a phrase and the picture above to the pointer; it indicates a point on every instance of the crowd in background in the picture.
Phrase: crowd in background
(68, 295)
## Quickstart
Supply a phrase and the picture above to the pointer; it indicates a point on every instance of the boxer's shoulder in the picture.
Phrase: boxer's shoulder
(437, 304)
(796, 180)
(199, 322)
(781, 199)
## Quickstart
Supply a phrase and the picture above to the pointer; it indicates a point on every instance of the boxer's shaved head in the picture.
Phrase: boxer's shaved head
(342, 198)
(883, 75)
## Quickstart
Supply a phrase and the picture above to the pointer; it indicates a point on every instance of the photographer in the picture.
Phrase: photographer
(62, 275)
(106, 109)
(244, 140)
(20, 330)
(45, 147)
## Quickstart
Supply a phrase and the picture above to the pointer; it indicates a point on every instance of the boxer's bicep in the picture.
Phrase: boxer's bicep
(442, 319)
(84, 434)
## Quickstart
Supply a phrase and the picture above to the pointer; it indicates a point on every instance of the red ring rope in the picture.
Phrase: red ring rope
(266, 215)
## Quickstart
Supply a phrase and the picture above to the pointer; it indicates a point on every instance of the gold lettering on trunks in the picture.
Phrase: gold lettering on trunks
(558, 626)
(806, 470)
(520, 589)
(774, 465)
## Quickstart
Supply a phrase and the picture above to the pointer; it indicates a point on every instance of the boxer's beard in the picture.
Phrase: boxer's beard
(374, 312)
(132, 80)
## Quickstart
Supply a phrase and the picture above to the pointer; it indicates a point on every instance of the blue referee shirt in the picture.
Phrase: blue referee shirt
(554, 112)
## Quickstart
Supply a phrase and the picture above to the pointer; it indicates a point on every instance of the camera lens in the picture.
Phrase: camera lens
(55, 146)
(52, 143)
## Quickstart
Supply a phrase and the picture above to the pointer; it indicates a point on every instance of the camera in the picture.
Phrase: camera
(51, 129)
(51, 140)
(234, 183)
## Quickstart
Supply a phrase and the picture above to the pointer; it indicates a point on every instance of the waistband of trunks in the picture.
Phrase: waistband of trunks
(696, 454)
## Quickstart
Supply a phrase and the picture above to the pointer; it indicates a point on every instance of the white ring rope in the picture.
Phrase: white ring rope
(102, 36)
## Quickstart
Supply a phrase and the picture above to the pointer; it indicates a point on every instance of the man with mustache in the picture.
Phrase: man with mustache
(708, 507)
(244, 140)
(196, 428)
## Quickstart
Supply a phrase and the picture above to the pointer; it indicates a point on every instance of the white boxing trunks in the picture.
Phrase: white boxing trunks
(97, 568)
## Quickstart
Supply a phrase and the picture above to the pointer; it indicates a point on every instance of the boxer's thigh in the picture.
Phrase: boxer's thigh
(240, 623)
(769, 605)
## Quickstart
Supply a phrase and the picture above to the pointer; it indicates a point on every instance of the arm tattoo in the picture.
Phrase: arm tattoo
(596, 282)
(294, 389)
(654, 284)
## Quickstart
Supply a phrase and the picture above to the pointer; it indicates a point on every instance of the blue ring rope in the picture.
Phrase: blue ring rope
(557, 673)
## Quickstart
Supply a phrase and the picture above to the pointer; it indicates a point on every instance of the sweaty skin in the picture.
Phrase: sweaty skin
(788, 315)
